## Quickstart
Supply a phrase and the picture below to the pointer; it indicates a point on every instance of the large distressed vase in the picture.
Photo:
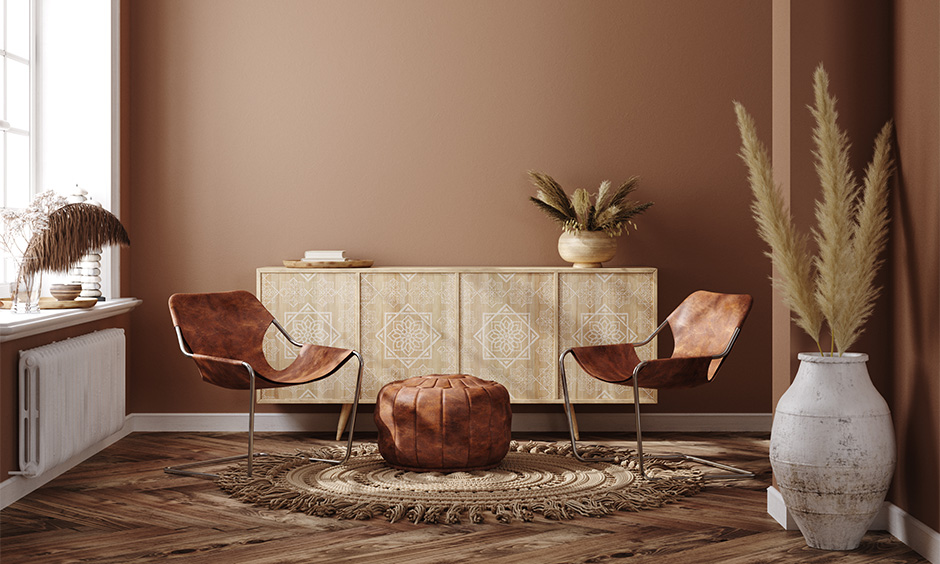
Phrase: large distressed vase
(832, 449)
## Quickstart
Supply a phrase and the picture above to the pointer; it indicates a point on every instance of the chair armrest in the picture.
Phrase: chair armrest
(286, 334)
(650, 338)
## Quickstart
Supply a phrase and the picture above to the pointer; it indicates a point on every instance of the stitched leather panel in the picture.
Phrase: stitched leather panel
(443, 423)
(227, 328)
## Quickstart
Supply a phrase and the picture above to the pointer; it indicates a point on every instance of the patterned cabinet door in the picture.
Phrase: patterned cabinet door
(317, 308)
(599, 308)
(502, 324)
(507, 327)
(408, 326)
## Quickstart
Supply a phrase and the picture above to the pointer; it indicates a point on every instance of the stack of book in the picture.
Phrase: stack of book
(325, 256)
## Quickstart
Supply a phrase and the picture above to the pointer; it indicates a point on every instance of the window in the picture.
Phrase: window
(15, 107)
(62, 108)
(16, 102)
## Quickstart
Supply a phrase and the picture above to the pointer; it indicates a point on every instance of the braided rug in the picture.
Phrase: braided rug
(534, 478)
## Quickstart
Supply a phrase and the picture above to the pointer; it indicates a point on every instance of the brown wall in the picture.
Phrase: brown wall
(883, 59)
(915, 248)
(853, 40)
(9, 369)
(402, 131)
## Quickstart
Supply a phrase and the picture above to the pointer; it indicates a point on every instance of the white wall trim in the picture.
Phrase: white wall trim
(521, 422)
(238, 422)
(14, 326)
(777, 509)
(14, 488)
(902, 526)
(921, 538)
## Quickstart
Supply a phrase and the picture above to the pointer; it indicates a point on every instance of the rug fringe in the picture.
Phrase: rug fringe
(265, 489)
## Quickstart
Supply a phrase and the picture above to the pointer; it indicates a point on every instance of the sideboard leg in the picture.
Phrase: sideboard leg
(343, 418)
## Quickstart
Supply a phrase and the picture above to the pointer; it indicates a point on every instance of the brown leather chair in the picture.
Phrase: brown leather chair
(704, 328)
(223, 333)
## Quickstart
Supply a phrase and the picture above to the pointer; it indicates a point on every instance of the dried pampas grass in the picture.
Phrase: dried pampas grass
(72, 232)
(611, 212)
(837, 285)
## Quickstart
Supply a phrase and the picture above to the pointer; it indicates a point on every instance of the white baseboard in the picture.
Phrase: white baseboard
(521, 422)
(777, 509)
(921, 538)
(237, 422)
(902, 526)
(17, 487)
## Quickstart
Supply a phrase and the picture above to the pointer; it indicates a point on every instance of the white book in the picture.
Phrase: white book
(325, 255)
(325, 260)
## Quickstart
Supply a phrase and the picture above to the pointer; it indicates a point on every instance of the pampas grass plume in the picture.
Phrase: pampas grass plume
(837, 285)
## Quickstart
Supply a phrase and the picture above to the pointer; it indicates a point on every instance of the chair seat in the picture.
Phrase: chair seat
(615, 364)
(313, 363)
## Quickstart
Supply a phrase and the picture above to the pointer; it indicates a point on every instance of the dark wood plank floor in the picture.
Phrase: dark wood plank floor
(119, 507)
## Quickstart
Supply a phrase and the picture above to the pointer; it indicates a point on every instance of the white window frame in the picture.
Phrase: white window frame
(111, 283)
(30, 133)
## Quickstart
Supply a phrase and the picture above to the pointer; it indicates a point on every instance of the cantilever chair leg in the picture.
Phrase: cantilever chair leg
(182, 469)
(352, 419)
(564, 389)
(640, 456)
(734, 472)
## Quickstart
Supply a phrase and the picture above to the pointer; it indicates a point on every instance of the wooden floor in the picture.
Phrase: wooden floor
(119, 507)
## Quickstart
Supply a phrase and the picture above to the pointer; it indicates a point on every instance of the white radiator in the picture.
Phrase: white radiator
(71, 397)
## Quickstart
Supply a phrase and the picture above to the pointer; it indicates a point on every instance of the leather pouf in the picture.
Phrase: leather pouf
(443, 423)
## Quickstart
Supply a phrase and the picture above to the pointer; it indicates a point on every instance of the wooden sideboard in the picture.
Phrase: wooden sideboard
(497, 323)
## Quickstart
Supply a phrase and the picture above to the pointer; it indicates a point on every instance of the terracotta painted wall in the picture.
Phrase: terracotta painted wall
(401, 131)
(883, 59)
(853, 40)
(915, 278)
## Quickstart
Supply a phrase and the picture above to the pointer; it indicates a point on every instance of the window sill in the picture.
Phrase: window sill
(16, 326)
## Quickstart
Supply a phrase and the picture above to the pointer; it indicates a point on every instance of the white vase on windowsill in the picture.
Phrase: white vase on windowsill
(26, 288)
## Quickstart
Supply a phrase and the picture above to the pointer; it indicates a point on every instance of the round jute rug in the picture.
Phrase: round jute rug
(534, 478)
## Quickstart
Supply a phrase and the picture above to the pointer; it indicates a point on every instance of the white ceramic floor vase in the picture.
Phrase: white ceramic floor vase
(832, 449)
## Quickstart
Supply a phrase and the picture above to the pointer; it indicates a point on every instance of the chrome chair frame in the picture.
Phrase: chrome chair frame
(182, 469)
(733, 471)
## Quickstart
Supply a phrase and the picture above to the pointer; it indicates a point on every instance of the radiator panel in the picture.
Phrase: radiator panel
(71, 396)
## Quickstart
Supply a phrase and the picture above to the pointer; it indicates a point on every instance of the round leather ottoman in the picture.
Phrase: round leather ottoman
(443, 423)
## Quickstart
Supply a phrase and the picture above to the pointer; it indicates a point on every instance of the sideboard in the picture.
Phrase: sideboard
(497, 323)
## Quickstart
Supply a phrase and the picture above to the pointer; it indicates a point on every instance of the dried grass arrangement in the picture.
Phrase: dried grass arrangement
(72, 231)
(610, 211)
(836, 287)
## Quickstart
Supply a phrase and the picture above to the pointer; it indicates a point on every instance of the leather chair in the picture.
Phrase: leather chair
(223, 333)
(704, 327)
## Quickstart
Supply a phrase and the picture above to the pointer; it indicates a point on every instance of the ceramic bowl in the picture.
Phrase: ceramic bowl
(65, 292)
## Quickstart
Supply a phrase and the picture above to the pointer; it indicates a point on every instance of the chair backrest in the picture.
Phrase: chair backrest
(705, 323)
(225, 324)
